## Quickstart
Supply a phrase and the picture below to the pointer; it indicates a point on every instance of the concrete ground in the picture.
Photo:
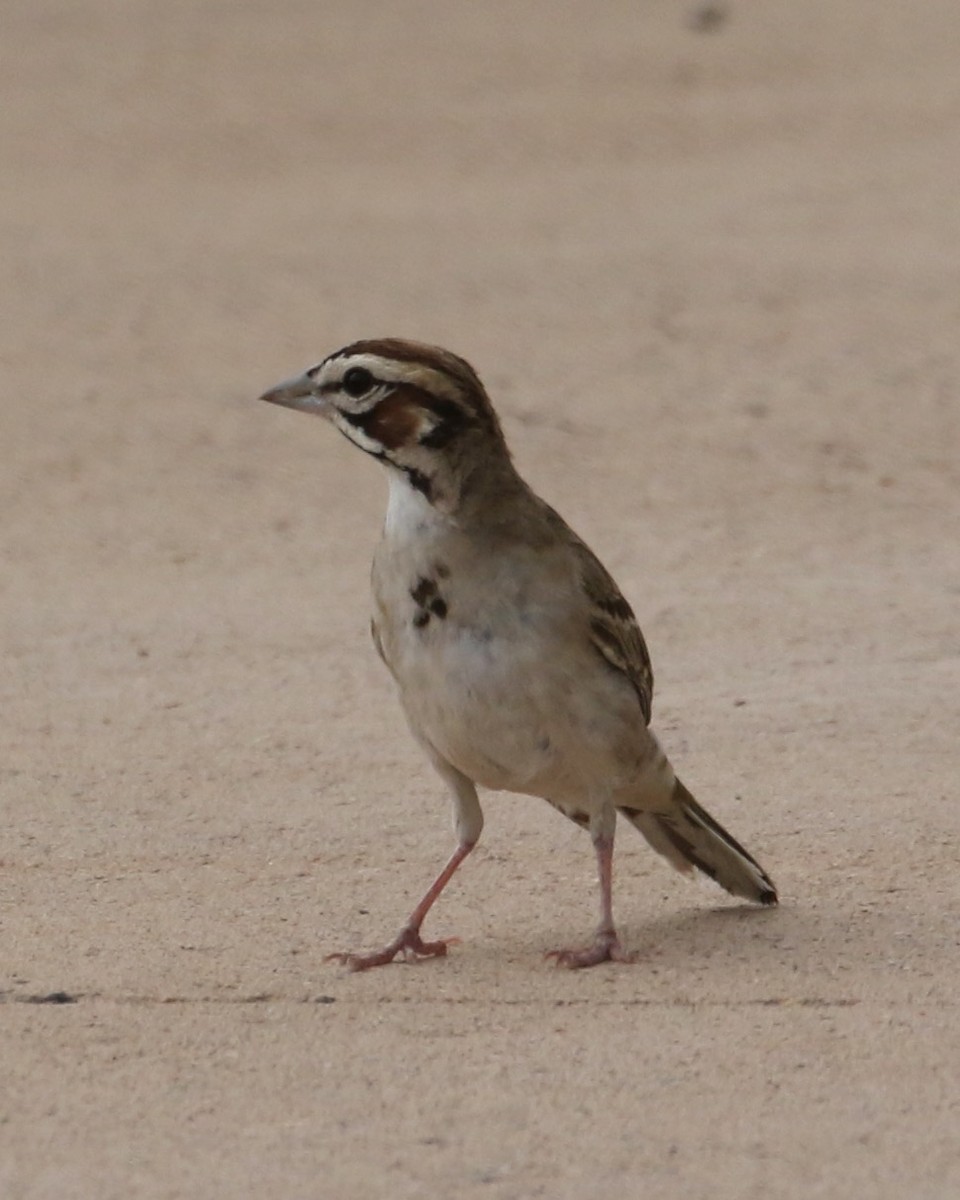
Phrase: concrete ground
(707, 260)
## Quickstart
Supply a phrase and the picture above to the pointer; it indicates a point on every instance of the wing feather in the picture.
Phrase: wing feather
(611, 625)
(613, 628)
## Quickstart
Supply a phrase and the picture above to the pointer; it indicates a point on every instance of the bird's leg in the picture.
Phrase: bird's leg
(408, 941)
(468, 822)
(606, 944)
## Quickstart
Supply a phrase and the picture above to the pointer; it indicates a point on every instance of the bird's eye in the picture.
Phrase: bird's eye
(357, 381)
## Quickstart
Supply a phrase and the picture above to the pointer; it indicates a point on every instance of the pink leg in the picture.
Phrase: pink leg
(606, 945)
(408, 940)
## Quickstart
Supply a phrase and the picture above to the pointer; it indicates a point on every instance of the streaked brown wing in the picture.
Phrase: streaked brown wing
(613, 627)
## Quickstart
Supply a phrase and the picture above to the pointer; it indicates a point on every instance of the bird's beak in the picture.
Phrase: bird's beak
(299, 393)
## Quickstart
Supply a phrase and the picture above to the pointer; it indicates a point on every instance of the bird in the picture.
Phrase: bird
(519, 665)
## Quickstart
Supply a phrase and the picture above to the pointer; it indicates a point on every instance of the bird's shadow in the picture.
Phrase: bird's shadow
(675, 936)
(738, 936)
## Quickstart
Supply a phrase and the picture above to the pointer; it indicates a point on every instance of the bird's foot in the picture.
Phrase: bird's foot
(407, 943)
(604, 948)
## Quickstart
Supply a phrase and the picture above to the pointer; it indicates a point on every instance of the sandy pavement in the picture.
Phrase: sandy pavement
(710, 271)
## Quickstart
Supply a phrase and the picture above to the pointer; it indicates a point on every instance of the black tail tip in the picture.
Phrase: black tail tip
(768, 897)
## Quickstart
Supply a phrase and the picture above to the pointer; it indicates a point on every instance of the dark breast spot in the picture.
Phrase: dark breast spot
(424, 591)
(429, 602)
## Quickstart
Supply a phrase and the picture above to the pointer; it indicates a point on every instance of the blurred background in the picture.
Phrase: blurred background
(706, 258)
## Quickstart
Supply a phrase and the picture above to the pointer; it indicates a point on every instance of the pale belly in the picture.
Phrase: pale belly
(516, 718)
(498, 678)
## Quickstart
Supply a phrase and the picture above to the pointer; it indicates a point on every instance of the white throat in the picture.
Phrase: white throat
(409, 513)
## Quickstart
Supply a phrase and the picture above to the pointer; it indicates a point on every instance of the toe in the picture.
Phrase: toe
(414, 949)
(408, 944)
(605, 948)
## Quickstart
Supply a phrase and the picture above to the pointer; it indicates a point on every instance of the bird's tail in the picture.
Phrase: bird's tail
(688, 836)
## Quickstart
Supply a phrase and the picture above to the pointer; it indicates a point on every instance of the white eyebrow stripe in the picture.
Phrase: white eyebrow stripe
(389, 370)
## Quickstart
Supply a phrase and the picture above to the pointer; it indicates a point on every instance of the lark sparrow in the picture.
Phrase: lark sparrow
(519, 664)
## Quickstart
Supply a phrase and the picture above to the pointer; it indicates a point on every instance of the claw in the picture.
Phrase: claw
(408, 943)
(605, 948)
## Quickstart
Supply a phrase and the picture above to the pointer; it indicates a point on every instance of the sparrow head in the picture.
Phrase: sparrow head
(419, 409)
